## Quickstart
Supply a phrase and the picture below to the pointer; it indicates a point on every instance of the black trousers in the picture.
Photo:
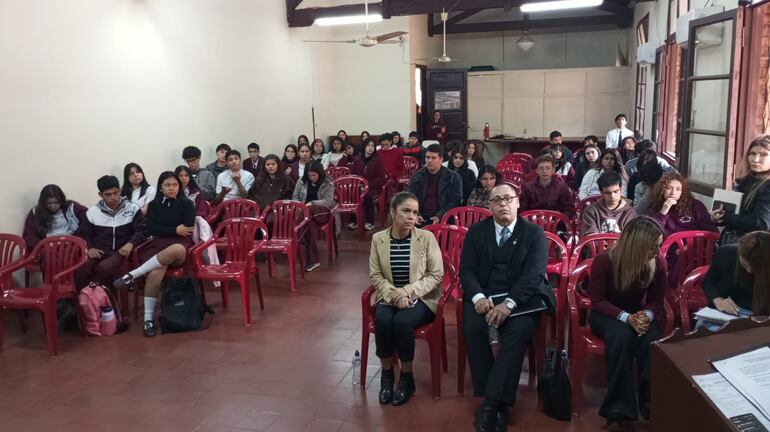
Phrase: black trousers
(621, 347)
(102, 270)
(497, 378)
(394, 329)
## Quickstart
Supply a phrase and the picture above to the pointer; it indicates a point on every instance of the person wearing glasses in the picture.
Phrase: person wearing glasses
(502, 270)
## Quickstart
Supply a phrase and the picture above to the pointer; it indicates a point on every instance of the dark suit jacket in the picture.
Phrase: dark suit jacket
(450, 188)
(526, 269)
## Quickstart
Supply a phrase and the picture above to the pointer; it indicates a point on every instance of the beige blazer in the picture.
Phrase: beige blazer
(426, 268)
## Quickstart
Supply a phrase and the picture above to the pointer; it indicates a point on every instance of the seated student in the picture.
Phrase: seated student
(302, 139)
(589, 161)
(453, 147)
(489, 177)
(406, 268)
(204, 178)
(53, 215)
(610, 162)
(614, 139)
(557, 139)
(235, 182)
(460, 166)
(303, 158)
(413, 148)
(364, 135)
(546, 192)
(336, 150)
(738, 280)
(135, 186)
(627, 287)
(111, 229)
(641, 146)
(220, 165)
(343, 135)
(375, 175)
(192, 191)
(437, 188)
(397, 142)
(561, 164)
(474, 151)
(392, 157)
(609, 214)
(170, 220)
(316, 190)
(628, 149)
(578, 157)
(350, 161)
(502, 270)
(675, 208)
(272, 184)
(318, 152)
(648, 175)
(289, 157)
(255, 162)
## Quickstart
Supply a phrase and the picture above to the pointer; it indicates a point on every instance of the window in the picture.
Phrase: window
(676, 8)
(707, 113)
(642, 30)
(657, 111)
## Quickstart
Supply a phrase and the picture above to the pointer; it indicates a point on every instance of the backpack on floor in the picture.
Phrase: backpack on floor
(93, 300)
(554, 387)
(182, 308)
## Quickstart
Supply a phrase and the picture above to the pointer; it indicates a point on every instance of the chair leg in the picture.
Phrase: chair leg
(578, 369)
(434, 342)
(364, 354)
(225, 293)
(361, 230)
(444, 356)
(259, 289)
(460, 350)
(301, 255)
(330, 242)
(292, 269)
(270, 265)
(2, 329)
(22, 321)
(49, 318)
(243, 283)
(26, 278)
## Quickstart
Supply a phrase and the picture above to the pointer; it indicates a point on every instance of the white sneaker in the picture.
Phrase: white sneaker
(312, 267)
(368, 226)
(352, 225)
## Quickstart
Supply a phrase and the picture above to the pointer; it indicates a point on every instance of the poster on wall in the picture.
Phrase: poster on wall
(447, 100)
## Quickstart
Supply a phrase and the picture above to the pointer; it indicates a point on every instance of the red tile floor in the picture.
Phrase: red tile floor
(289, 371)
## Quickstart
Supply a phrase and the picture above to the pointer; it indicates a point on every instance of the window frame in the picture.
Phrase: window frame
(642, 71)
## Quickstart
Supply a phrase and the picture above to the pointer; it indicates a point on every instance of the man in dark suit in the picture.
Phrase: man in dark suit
(437, 188)
(502, 270)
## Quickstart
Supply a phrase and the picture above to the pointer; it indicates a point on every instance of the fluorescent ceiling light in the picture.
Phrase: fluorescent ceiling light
(350, 19)
(558, 5)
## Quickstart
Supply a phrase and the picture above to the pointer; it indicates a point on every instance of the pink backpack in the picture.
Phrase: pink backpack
(92, 299)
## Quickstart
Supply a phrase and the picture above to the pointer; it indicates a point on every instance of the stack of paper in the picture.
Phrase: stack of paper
(728, 399)
(749, 373)
(713, 315)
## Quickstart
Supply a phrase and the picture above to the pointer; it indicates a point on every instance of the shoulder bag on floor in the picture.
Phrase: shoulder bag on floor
(554, 386)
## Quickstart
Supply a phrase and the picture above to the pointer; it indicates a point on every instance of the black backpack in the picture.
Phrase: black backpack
(554, 387)
(182, 308)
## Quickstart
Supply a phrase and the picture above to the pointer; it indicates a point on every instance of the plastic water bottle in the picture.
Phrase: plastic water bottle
(356, 369)
(525, 134)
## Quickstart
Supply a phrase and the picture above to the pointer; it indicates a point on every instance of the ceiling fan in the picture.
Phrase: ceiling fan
(368, 41)
(444, 58)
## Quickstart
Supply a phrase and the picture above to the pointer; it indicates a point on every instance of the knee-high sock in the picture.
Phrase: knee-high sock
(148, 266)
(149, 308)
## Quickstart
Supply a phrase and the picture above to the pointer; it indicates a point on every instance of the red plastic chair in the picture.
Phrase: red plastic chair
(520, 166)
(336, 172)
(516, 187)
(240, 249)
(411, 165)
(465, 216)
(433, 333)
(329, 232)
(590, 246)
(693, 249)
(349, 192)
(552, 221)
(171, 273)
(580, 207)
(382, 200)
(237, 208)
(450, 239)
(290, 217)
(516, 177)
(12, 249)
(558, 265)
(691, 296)
(59, 256)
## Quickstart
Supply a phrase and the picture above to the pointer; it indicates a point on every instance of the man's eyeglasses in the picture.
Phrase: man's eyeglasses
(502, 200)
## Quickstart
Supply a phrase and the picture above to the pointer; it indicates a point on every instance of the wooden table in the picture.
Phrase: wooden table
(677, 403)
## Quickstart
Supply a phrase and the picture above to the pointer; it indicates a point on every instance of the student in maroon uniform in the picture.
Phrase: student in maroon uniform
(392, 158)
(546, 192)
(290, 155)
(192, 191)
(351, 162)
(254, 162)
(53, 215)
(413, 148)
(436, 128)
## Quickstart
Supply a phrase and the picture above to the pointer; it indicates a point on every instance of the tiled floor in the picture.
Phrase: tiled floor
(289, 371)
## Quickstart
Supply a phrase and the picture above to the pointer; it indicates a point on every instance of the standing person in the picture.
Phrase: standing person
(405, 268)
(474, 151)
(288, 159)
(235, 182)
(752, 180)
(460, 166)
(590, 160)
(374, 172)
(610, 162)
(546, 191)
(135, 186)
(298, 167)
(170, 220)
(611, 213)
(502, 270)
(111, 229)
(392, 158)
(318, 152)
(220, 165)
(627, 287)
(489, 177)
(336, 150)
(53, 215)
(255, 163)
(272, 185)
(437, 188)
(615, 136)
(204, 178)
(413, 148)
(192, 191)
(316, 190)
(436, 129)
(674, 207)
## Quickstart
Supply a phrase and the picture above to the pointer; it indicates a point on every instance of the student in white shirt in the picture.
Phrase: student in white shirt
(235, 182)
(135, 186)
(615, 136)
(318, 152)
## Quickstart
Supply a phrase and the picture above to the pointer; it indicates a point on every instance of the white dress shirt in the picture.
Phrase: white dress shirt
(498, 235)
(615, 137)
(145, 199)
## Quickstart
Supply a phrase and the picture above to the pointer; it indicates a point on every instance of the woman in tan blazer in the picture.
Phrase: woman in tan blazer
(406, 268)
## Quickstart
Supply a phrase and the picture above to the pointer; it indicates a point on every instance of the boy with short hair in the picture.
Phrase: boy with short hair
(235, 182)
(205, 179)
(220, 165)
(255, 163)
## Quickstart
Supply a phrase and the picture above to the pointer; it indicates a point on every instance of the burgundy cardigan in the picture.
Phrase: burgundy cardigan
(610, 302)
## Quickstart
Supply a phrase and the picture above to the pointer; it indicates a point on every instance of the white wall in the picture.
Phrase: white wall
(89, 85)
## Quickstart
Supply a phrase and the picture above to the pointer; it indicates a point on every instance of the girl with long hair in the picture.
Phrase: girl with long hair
(474, 151)
(674, 207)
(397, 141)
(53, 215)
(627, 293)
(489, 177)
(290, 155)
(272, 184)
(459, 164)
(303, 158)
(316, 190)
(192, 191)
(170, 221)
(136, 188)
(302, 139)
(318, 152)
(609, 161)
(436, 129)
(589, 160)
(561, 165)
(336, 150)
(374, 171)
(649, 173)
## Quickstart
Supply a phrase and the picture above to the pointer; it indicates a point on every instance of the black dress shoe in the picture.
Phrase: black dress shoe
(485, 419)
(123, 282)
(386, 386)
(501, 420)
(405, 388)
(149, 328)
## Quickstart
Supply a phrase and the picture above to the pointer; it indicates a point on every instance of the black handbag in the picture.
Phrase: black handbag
(182, 308)
(554, 387)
